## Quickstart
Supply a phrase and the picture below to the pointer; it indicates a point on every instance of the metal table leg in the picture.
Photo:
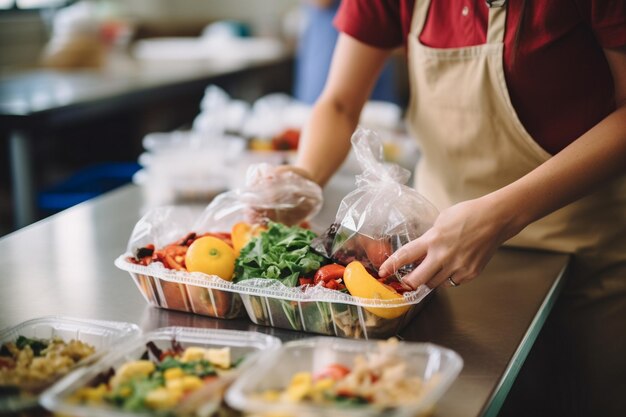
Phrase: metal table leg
(22, 178)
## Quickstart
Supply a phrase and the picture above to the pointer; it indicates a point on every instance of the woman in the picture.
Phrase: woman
(520, 111)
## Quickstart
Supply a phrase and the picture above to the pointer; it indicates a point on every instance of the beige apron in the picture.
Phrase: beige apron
(473, 143)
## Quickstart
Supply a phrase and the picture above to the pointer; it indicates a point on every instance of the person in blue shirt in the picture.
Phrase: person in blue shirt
(315, 51)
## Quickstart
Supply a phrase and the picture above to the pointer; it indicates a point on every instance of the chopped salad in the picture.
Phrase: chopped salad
(178, 381)
(379, 379)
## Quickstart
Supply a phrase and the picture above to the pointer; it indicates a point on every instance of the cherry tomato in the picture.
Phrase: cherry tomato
(329, 272)
(333, 371)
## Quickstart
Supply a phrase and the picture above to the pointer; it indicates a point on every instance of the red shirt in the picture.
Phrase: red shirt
(559, 82)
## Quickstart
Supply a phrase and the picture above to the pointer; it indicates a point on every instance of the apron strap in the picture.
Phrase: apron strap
(420, 11)
(497, 21)
(495, 28)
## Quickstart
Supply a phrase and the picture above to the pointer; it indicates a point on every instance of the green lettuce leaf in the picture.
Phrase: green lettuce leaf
(282, 253)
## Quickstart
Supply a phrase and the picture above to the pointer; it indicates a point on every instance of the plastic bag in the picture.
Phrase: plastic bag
(269, 194)
(281, 195)
(381, 215)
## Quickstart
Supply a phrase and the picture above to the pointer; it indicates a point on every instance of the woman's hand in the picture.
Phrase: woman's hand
(285, 194)
(458, 246)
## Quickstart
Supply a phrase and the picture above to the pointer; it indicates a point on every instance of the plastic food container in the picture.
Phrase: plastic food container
(184, 291)
(269, 303)
(329, 312)
(246, 345)
(102, 335)
(436, 366)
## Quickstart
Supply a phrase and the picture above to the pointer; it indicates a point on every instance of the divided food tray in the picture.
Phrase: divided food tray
(269, 303)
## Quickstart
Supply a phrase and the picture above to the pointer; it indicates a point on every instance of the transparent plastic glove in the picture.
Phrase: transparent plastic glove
(281, 193)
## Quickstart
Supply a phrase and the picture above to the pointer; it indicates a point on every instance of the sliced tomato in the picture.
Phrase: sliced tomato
(333, 371)
(328, 273)
(305, 281)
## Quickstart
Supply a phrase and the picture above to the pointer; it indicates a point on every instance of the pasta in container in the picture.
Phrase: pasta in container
(38, 352)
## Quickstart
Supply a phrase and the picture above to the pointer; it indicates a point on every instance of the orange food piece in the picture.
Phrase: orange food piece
(361, 284)
(243, 232)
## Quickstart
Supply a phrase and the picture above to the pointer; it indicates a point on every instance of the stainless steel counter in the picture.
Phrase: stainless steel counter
(64, 266)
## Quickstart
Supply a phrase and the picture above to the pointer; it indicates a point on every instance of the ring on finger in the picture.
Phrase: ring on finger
(452, 282)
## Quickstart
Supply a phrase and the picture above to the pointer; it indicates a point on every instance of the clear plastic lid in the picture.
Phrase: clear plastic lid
(244, 346)
(100, 334)
(436, 366)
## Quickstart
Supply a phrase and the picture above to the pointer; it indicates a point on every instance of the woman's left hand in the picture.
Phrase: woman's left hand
(458, 246)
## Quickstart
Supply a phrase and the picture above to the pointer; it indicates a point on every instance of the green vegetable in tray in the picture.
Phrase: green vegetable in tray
(200, 368)
(36, 345)
(167, 383)
(282, 253)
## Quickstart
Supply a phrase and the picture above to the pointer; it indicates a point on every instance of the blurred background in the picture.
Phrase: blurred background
(175, 96)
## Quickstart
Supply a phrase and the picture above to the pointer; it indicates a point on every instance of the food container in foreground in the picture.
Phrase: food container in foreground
(169, 370)
(320, 310)
(23, 394)
(192, 292)
(314, 377)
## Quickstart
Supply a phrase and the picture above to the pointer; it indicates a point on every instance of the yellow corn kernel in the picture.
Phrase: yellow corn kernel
(191, 383)
(160, 399)
(218, 357)
(125, 392)
(300, 386)
(324, 384)
(174, 384)
(132, 370)
(193, 353)
(173, 373)
(176, 393)
(89, 394)
(95, 395)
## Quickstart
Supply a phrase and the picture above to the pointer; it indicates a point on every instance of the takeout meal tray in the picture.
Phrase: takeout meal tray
(101, 334)
(244, 346)
(269, 303)
(184, 291)
(437, 367)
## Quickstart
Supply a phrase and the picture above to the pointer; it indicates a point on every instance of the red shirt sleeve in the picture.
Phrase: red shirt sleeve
(376, 23)
(607, 19)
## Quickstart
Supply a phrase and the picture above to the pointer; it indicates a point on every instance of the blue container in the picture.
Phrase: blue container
(86, 184)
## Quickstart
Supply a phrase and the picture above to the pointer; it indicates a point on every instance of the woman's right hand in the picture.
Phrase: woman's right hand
(285, 194)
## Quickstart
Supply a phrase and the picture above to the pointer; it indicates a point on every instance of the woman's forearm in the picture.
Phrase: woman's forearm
(326, 140)
(589, 162)
(326, 137)
(465, 235)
